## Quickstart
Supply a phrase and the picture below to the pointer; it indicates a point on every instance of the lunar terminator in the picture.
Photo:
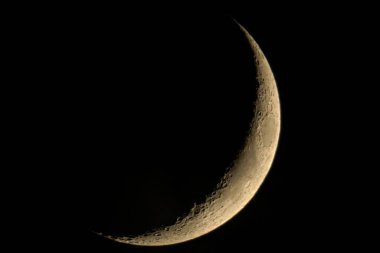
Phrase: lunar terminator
(240, 182)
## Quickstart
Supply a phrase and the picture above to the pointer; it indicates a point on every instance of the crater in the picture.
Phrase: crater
(268, 131)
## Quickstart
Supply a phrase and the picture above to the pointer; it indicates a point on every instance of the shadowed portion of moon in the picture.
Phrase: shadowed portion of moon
(238, 184)
(160, 134)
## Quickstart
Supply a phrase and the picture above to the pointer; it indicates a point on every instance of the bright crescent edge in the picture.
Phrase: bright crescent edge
(241, 182)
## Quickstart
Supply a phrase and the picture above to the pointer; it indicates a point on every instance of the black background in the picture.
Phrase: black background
(135, 116)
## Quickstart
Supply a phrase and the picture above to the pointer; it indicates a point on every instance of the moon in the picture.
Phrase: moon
(240, 182)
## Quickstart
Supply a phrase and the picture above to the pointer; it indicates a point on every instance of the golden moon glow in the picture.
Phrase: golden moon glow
(242, 180)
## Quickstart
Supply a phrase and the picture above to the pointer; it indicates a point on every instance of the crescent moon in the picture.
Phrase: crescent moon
(241, 182)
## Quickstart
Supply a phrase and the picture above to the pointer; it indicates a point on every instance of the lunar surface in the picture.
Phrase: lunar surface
(242, 180)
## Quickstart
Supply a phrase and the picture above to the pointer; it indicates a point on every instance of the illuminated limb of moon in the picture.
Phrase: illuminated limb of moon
(242, 180)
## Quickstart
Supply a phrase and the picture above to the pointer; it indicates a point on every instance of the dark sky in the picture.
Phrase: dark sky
(143, 113)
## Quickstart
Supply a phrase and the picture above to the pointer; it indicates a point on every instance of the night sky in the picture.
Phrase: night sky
(143, 113)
